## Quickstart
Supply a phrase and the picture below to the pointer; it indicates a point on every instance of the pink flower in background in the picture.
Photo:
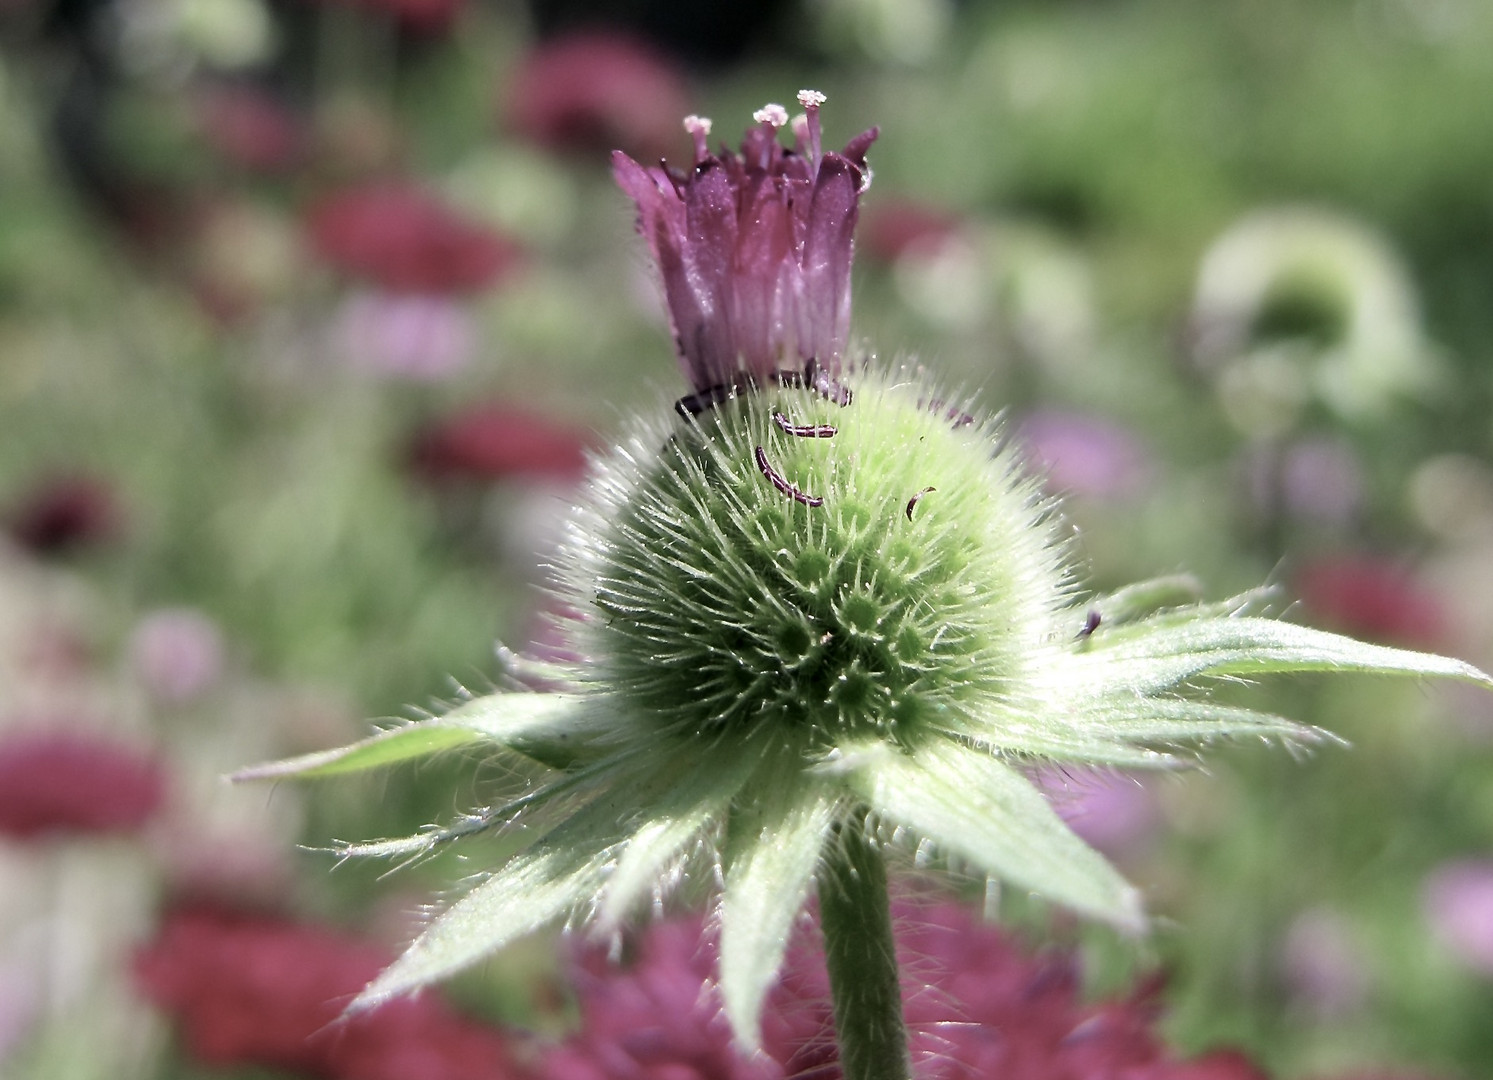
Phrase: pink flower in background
(1112, 810)
(656, 1019)
(1458, 903)
(72, 781)
(754, 248)
(250, 129)
(893, 228)
(596, 90)
(398, 236)
(1085, 455)
(1323, 964)
(178, 653)
(1316, 479)
(406, 335)
(64, 514)
(252, 990)
(1371, 597)
(494, 442)
(978, 1006)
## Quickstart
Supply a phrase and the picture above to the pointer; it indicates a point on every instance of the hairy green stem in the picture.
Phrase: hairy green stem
(857, 923)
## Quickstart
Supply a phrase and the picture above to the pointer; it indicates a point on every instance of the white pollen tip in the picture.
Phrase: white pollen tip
(697, 125)
(811, 99)
(774, 115)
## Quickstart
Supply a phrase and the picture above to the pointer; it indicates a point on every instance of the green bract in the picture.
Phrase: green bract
(792, 611)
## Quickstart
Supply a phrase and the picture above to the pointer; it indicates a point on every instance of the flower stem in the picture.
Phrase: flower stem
(857, 923)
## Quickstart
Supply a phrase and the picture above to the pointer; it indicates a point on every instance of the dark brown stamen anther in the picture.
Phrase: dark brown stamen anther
(777, 481)
(704, 400)
(804, 431)
(912, 503)
(1090, 623)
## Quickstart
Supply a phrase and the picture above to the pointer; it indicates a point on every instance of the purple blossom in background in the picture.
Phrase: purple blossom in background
(1110, 809)
(1317, 479)
(1085, 455)
(978, 1006)
(412, 336)
(754, 248)
(178, 653)
(1458, 903)
(1323, 964)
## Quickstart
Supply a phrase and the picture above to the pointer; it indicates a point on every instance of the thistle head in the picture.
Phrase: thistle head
(801, 613)
(754, 247)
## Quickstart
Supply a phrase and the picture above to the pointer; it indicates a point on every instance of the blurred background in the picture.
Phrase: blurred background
(310, 311)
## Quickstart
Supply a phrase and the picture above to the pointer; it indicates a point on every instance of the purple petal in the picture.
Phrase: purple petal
(825, 322)
(708, 256)
(855, 149)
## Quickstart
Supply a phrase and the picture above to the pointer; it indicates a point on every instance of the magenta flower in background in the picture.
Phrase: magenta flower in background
(596, 90)
(494, 441)
(1112, 810)
(1085, 455)
(250, 129)
(898, 226)
(247, 989)
(1457, 900)
(754, 247)
(405, 334)
(63, 514)
(60, 782)
(402, 238)
(978, 1006)
(1372, 597)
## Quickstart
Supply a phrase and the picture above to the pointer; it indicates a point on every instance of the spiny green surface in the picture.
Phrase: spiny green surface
(725, 601)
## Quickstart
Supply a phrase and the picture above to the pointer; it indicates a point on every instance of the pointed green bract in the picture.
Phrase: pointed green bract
(1148, 660)
(1132, 602)
(540, 725)
(1178, 720)
(533, 889)
(976, 807)
(680, 816)
(773, 848)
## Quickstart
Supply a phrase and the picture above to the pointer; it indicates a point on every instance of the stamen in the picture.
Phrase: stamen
(912, 503)
(699, 129)
(800, 126)
(804, 431)
(826, 384)
(811, 100)
(777, 481)
(704, 400)
(774, 116)
(1090, 623)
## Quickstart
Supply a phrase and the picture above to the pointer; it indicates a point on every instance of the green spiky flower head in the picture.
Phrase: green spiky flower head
(815, 611)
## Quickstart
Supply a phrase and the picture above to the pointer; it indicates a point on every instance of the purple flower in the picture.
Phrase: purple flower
(178, 653)
(755, 247)
(1085, 455)
(1458, 903)
(1112, 810)
(978, 1004)
(1324, 964)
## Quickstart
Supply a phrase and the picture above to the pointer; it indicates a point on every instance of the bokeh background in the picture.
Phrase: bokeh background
(310, 311)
